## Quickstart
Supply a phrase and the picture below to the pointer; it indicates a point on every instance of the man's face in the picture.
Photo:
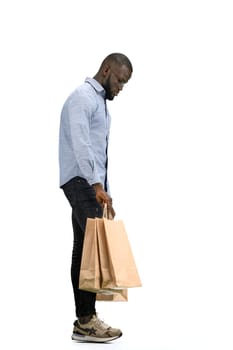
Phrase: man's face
(114, 83)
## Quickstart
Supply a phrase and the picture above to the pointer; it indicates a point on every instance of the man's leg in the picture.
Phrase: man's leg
(84, 301)
(84, 205)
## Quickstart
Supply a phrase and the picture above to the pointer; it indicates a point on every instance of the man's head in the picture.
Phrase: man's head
(115, 71)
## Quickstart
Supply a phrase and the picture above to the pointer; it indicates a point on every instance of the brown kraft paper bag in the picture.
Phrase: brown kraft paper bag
(117, 265)
(90, 278)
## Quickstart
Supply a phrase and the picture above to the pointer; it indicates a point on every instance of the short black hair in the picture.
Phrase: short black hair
(120, 59)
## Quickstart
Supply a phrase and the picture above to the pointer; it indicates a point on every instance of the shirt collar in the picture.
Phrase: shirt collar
(96, 85)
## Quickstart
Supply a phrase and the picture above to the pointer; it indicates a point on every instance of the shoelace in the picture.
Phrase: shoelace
(101, 323)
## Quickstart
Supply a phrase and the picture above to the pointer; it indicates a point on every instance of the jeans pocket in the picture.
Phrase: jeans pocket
(80, 194)
(70, 195)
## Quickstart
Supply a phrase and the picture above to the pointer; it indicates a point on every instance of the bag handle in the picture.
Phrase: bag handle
(105, 211)
(106, 215)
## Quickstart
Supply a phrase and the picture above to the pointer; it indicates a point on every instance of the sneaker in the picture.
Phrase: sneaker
(95, 331)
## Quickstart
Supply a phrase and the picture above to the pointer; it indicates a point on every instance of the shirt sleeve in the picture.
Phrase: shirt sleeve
(81, 109)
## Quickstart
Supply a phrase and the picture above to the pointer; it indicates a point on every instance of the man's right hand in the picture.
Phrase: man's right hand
(103, 197)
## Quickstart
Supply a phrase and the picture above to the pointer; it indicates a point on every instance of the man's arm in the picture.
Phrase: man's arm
(80, 111)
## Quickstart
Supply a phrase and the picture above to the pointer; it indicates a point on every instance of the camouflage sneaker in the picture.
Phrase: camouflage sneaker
(95, 331)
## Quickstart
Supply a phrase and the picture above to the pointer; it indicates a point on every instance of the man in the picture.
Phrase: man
(83, 159)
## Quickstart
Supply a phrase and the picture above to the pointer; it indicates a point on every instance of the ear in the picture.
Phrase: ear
(106, 70)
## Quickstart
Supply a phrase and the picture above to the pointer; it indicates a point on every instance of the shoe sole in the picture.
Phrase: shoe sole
(90, 339)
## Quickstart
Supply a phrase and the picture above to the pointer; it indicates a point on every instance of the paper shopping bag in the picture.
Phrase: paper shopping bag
(121, 295)
(104, 258)
(90, 278)
(117, 264)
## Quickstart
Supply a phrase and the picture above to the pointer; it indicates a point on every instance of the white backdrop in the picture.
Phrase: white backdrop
(170, 168)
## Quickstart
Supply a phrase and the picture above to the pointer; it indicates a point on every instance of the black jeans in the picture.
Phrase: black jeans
(82, 199)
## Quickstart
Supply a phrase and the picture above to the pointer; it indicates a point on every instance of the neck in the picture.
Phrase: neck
(98, 78)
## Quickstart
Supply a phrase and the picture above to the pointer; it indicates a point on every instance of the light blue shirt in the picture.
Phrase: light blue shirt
(84, 134)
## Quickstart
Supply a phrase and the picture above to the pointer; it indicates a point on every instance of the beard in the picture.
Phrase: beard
(108, 92)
